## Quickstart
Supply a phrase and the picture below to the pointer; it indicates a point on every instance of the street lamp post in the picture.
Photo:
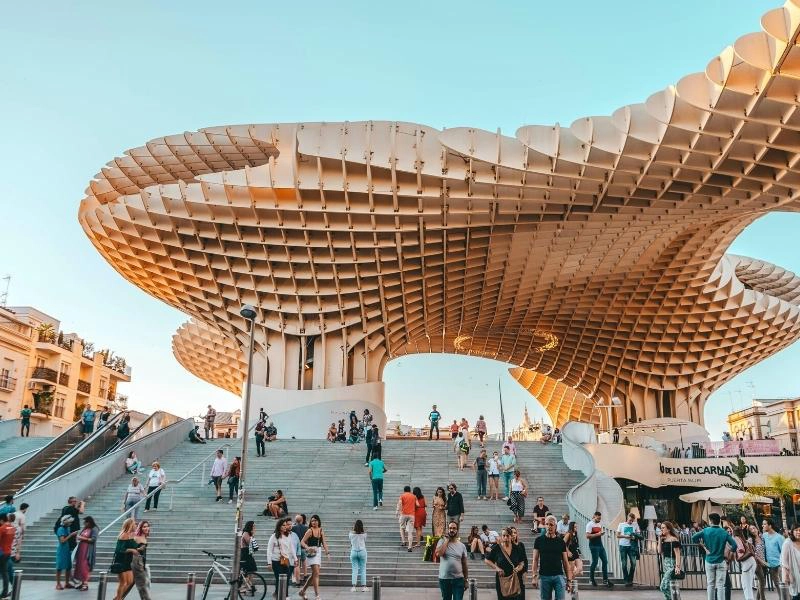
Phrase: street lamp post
(249, 313)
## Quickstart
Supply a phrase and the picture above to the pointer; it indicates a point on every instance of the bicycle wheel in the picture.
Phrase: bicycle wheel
(252, 587)
(207, 584)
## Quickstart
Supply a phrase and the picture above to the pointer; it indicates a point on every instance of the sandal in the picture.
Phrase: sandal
(84, 588)
(59, 586)
(69, 586)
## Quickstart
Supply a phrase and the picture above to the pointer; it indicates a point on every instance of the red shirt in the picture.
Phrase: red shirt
(408, 503)
(7, 533)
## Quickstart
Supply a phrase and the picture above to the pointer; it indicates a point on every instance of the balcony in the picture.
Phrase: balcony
(49, 341)
(63, 379)
(45, 374)
(7, 383)
(84, 387)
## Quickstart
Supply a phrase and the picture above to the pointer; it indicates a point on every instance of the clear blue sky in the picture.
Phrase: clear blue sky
(84, 81)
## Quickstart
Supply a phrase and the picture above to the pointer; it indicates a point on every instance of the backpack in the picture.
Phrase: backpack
(463, 446)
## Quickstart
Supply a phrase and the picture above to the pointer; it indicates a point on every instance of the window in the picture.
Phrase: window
(39, 362)
(103, 387)
(58, 408)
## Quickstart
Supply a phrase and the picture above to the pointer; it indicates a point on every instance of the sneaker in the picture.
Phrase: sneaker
(472, 555)
(366, 464)
(374, 508)
(365, 589)
(380, 502)
(505, 498)
(593, 582)
(353, 589)
(230, 501)
(145, 510)
(410, 550)
(218, 498)
(608, 584)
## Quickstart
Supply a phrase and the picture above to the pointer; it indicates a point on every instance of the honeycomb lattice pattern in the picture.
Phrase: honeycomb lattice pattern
(590, 255)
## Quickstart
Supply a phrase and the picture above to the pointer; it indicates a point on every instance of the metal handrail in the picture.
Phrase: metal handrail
(2, 462)
(205, 459)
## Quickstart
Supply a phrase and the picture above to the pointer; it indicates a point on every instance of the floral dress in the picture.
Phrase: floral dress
(439, 515)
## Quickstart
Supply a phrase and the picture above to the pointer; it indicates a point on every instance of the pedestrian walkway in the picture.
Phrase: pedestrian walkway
(45, 590)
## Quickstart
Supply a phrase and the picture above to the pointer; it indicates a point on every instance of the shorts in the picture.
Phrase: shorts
(217, 481)
(407, 522)
(494, 475)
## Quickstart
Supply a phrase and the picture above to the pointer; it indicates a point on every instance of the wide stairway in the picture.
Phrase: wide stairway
(317, 478)
(14, 446)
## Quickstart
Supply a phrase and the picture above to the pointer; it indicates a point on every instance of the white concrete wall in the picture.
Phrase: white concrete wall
(307, 414)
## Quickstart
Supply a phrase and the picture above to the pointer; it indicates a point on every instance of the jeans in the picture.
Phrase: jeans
(507, 477)
(369, 452)
(552, 584)
(669, 571)
(430, 433)
(4, 560)
(452, 589)
(628, 554)
(233, 487)
(278, 570)
(482, 478)
(748, 577)
(598, 553)
(154, 497)
(358, 560)
(715, 580)
(25, 429)
(377, 491)
(261, 449)
(130, 502)
(209, 430)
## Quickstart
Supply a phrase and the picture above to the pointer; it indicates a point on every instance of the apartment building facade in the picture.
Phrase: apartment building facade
(777, 418)
(54, 372)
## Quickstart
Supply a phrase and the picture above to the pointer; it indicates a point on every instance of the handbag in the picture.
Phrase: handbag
(117, 564)
(679, 575)
(509, 584)
(284, 561)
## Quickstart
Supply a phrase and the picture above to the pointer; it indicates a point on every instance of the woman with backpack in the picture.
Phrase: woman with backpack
(462, 449)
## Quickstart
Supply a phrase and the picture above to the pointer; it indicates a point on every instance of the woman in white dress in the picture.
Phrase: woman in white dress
(313, 543)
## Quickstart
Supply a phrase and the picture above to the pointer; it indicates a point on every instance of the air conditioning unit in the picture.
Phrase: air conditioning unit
(32, 385)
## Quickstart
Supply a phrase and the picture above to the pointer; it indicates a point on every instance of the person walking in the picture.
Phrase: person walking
(133, 495)
(573, 545)
(508, 463)
(123, 554)
(377, 469)
(141, 577)
(7, 534)
(234, 469)
(455, 504)
(628, 535)
(314, 542)
(714, 539)
(281, 552)
(790, 561)
(594, 533)
(481, 474)
(299, 530)
(208, 422)
(453, 568)
(433, 418)
(404, 511)
(745, 555)
(86, 552)
(260, 431)
(493, 472)
(550, 566)
(671, 557)
(461, 447)
(248, 547)
(760, 558)
(87, 418)
(439, 517)
(508, 563)
(519, 490)
(25, 421)
(773, 544)
(480, 429)
(358, 555)
(420, 515)
(156, 479)
(218, 470)
(454, 430)
(376, 442)
(63, 553)
(368, 440)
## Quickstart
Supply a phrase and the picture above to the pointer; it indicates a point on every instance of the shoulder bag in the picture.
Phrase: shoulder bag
(509, 584)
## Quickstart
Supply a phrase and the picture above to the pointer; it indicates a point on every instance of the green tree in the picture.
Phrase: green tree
(737, 476)
(778, 486)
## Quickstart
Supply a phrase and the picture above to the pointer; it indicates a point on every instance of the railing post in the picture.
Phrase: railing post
(674, 590)
(17, 585)
(473, 589)
(283, 586)
(102, 584)
(574, 589)
(190, 586)
(376, 587)
(783, 591)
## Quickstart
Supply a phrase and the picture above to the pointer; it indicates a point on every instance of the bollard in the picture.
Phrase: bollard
(15, 589)
(574, 589)
(283, 586)
(376, 587)
(190, 586)
(473, 589)
(674, 590)
(102, 584)
(783, 591)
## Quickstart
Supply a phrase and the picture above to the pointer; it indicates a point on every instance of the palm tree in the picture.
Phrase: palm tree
(778, 486)
(737, 475)
(47, 332)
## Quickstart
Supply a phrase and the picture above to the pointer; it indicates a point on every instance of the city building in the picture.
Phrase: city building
(768, 418)
(593, 256)
(527, 430)
(54, 372)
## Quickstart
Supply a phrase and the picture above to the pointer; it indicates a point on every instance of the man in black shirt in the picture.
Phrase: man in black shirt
(434, 418)
(74, 508)
(550, 563)
(299, 529)
(455, 504)
(539, 513)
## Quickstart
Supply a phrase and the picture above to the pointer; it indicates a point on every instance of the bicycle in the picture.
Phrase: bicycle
(252, 586)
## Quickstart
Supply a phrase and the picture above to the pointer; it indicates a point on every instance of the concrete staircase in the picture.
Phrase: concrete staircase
(317, 477)
(14, 446)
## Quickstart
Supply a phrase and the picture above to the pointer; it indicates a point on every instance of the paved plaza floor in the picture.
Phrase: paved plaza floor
(45, 590)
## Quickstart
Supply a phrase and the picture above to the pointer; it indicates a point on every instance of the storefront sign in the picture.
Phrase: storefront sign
(688, 473)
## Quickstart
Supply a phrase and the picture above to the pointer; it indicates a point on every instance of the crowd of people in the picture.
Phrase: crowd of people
(356, 430)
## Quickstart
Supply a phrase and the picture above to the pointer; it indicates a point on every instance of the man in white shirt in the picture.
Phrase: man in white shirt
(627, 534)
(512, 448)
(489, 538)
(218, 470)
(563, 526)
